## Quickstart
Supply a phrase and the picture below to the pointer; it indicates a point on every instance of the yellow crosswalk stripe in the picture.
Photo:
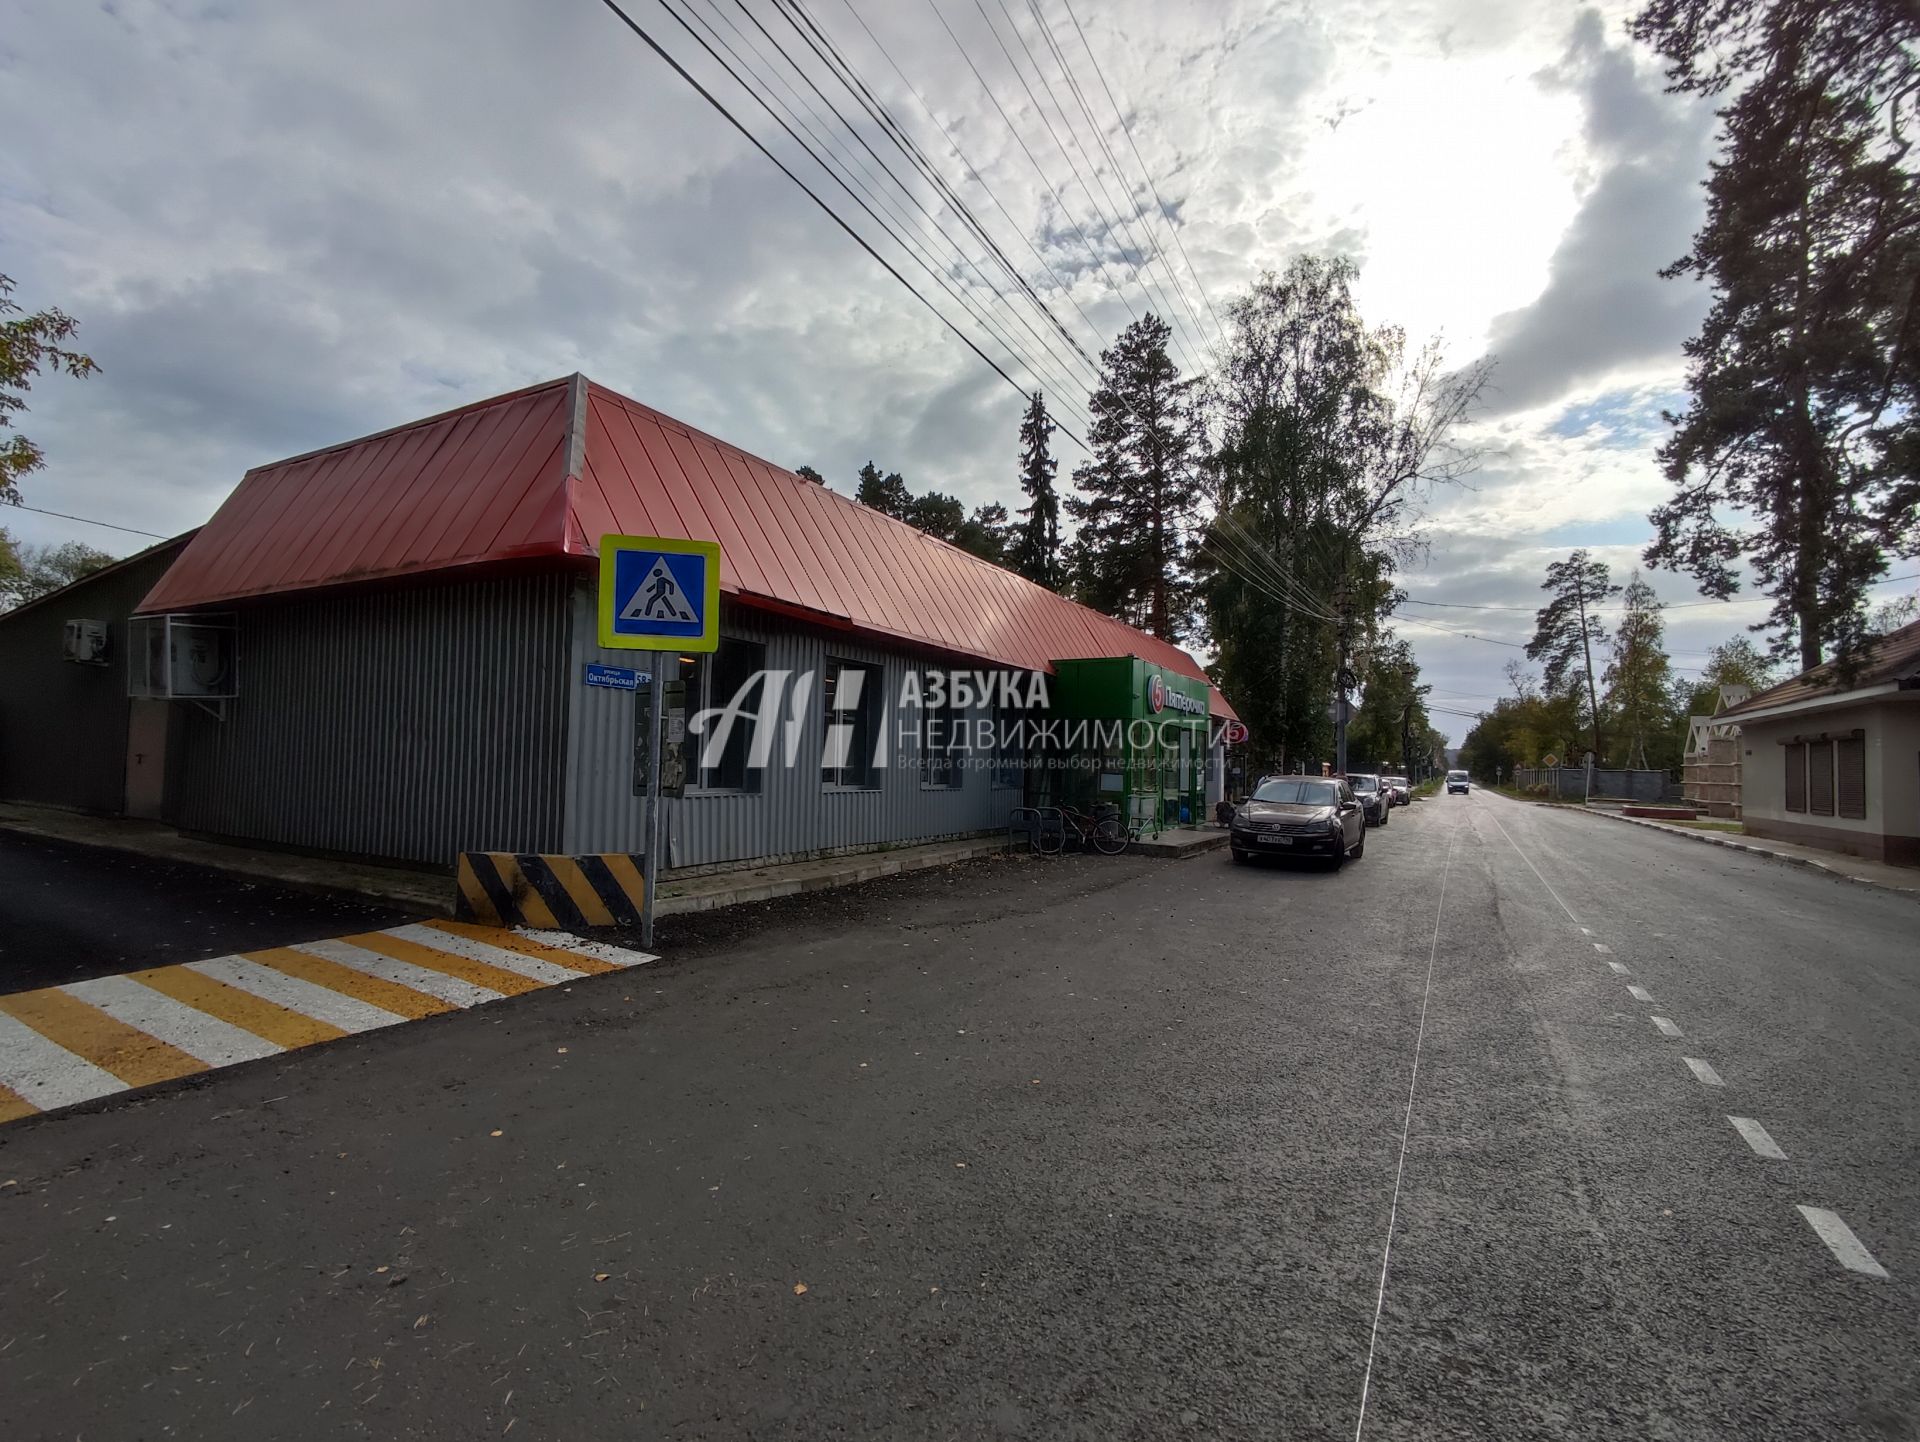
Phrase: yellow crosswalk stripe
(89, 1033)
(374, 990)
(496, 978)
(278, 1024)
(13, 1106)
(526, 946)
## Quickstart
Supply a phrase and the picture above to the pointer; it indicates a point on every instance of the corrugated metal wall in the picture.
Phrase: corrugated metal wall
(409, 723)
(793, 814)
(63, 726)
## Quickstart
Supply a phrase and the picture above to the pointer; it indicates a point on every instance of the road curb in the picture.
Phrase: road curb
(1731, 845)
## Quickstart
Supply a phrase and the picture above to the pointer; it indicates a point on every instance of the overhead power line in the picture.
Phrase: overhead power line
(1152, 248)
(89, 521)
(1159, 205)
(654, 45)
(911, 232)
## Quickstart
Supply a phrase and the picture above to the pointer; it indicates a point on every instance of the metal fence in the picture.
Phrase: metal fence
(1615, 783)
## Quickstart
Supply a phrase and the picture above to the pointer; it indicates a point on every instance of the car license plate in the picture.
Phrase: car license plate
(1277, 840)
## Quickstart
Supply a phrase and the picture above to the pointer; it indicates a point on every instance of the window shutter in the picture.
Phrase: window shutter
(1850, 762)
(1820, 778)
(1796, 753)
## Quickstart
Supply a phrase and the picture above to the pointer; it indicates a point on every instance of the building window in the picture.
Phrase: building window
(728, 679)
(1820, 778)
(852, 696)
(942, 738)
(1008, 728)
(1796, 775)
(1850, 767)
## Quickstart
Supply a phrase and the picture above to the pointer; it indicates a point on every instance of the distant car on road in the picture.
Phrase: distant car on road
(1300, 816)
(1400, 788)
(1376, 800)
(1458, 781)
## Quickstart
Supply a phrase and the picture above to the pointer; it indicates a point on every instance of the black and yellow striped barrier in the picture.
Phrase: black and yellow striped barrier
(505, 888)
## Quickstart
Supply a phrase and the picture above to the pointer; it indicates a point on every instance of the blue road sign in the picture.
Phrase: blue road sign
(616, 678)
(658, 594)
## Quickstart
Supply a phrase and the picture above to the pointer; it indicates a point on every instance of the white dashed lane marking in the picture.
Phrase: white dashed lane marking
(1757, 1137)
(1603, 948)
(1620, 968)
(1707, 1075)
(1847, 1249)
(1666, 1027)
(1639, 993)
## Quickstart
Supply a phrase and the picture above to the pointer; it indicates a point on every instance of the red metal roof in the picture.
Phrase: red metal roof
(548, 470)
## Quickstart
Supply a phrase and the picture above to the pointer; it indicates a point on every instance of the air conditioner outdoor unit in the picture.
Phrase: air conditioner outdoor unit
(85, 642)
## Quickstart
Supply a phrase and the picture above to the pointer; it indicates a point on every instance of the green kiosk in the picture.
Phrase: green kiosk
(1134, 737)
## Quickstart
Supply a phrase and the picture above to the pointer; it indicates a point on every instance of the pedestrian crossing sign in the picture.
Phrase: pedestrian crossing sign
(659, 595)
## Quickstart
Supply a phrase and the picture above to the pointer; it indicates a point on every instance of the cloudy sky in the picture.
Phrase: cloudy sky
(283, 226)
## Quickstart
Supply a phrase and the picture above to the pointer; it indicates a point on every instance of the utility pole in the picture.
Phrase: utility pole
(1343, 679)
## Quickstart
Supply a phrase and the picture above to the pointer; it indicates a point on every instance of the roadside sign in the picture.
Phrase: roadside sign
(658, 594)
(614, 678)
(1550, 760)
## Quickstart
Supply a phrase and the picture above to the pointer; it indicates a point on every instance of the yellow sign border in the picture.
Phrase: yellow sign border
(709, 637)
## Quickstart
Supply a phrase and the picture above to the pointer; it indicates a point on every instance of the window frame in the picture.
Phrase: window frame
(867, 725)
(1007, 760)
(702, 673)
(945, 759)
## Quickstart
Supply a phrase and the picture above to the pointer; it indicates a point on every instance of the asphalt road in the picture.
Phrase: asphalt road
(1088, 1149)
(68, 913)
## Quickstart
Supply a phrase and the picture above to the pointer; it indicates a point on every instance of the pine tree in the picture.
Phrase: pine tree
(1036, 544)
(1800, 449)
(1138, 493)
(888, 495)
(1568, 628)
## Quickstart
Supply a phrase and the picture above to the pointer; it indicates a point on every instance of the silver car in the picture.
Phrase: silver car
(1375, 799)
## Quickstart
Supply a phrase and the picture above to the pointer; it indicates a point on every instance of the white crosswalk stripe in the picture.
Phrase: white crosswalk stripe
(450, 989)
(205, 1038)
(322, 1004)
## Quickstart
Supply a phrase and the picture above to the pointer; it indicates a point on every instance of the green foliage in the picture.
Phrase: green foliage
(1567, 630)
(1330, 434)
(1392, 720)
(1520, 731)
(29, 344)
(1035, 549)
(984, 533)
(28, 572)
(1138, 494)
(887, 494)
(809, 473)
(1799, 452)
(1737, 662)
(1639, 679)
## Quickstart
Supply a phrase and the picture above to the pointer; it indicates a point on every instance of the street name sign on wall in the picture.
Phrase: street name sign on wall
(658, 594)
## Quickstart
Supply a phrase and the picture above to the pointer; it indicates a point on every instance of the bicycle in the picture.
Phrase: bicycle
(1103, 833)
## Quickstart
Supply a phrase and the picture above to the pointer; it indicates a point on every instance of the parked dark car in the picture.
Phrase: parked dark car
(1376, 801)
(1458, 781)
(1300, 816)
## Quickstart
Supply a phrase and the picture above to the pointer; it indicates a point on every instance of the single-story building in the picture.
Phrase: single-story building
(385, 648)
(1838, 765)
